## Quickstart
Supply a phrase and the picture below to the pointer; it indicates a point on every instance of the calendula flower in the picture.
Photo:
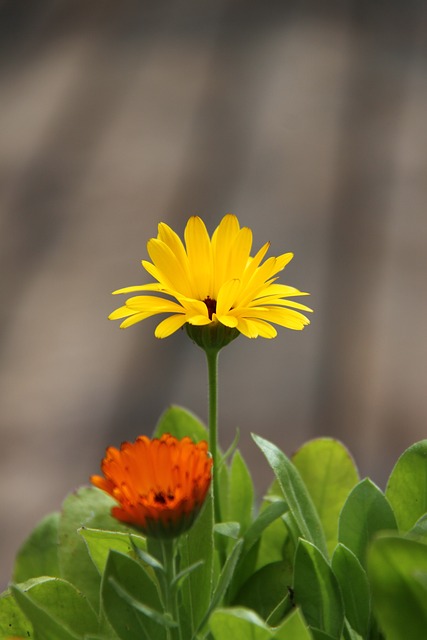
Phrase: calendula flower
(160, 484)
(213, 281)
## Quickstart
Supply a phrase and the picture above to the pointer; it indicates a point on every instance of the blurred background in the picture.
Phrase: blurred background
(305, 119)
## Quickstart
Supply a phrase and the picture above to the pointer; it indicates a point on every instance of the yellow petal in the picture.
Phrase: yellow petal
(133, 319)
(154, 286)
(199, 320)
(222, 242)
(240, 254)
(248, 329)
(261, 328)
(254, 263)
(169, 326)
(170, 270)
(173, 241)
(274, 300)
(227, 296)
(121, 312)
(283, 317)
(154, 304)
(228, 321)
(283, 291)
(198, 247)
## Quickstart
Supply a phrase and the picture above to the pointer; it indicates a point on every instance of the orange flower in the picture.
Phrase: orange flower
(160, 484)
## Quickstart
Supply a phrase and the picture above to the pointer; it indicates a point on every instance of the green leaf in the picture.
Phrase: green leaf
(194, 546)
(266, 589)
(182, 575)
(13, 621)
(147, 558)
(273, 539)
(238, 623)
(223, 582)
(265, 518)
(100, 542)
(231, 449)
(329, 474)
(241, 493)
(228, 529)
(296, 494)
(419, 530)
(180, 423)
(365, 512)
(38, 556)
(318, 634)
(317, 591)
(163, 619)
(351, 634)
(87, 507)
(407, 486)
(293, 627)
(354, 586)
(127, 621)
(397, 569)
(55, 608)
(249, 556)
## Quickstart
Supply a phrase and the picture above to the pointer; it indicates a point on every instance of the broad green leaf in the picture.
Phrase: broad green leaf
(365, 512)
(407, 486)
(296, 494)
(241, 493)
(239, 623)
(180, 423)
(100, 542)
(397, 569)
(329, 474)
(354, 586)
(38, 556)
(317, 591)
(194, 546)
(293, 627)
(128, 622)
(13, 621)
(419, 530)
(266, 589)
(87, 507)
(55, 608)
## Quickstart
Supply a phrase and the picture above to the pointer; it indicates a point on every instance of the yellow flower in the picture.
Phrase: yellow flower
(160, 484)
(213, 280)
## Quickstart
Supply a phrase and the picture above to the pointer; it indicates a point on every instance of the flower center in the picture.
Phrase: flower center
(211, 305)
(161, 498)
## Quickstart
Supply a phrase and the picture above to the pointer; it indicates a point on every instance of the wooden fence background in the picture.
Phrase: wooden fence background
(307, 120)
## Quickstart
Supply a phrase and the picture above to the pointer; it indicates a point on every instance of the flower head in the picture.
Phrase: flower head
(213, 280)
(160, 484)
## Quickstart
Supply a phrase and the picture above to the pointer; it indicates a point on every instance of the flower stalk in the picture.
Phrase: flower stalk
(170, 594)
(212, 362)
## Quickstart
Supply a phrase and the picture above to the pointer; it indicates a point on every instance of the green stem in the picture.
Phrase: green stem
(212, 360)
(170, 589)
